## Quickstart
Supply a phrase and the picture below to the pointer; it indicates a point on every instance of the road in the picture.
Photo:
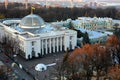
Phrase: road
(17, 70)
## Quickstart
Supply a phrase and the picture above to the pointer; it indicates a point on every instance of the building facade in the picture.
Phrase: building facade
(89, 23)
(37, 38)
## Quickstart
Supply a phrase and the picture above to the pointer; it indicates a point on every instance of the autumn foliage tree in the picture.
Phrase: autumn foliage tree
(81, 63)
(113, 43)
(114, 73)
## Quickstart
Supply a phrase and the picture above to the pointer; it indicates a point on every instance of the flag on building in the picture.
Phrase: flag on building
(33, 8)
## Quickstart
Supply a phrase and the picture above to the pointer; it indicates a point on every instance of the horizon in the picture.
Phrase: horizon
(66, 0)
(67, 3)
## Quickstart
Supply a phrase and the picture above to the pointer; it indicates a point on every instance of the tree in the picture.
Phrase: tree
(86, 39)
(58, 13)
(79, 34)
(80, 64)
(114, 73)
(71, 25)
(114, 46)
(62, 68)
(10, 46)
(83, 61)
(112, 41)
(2, 16)
(4, 71)
(2, 74)
(116, 30)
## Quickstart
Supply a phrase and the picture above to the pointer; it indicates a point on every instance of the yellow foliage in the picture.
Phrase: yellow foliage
(2, 16)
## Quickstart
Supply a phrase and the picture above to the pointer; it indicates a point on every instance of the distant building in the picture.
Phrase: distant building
(89, 23)
(95, 27)
(37, 38)
(6, 4)
(26, 4)
(94, 23)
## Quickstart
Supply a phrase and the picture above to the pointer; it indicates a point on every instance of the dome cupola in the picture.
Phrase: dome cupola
(32, 21)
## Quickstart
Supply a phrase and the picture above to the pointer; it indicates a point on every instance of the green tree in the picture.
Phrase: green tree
(117, 30)
(71, 25)
(86, 39)
(79, 34)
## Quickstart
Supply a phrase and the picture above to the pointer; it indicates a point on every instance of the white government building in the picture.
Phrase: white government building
(37, 37)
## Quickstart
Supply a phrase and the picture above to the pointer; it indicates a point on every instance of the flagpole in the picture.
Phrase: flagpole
(32, 8)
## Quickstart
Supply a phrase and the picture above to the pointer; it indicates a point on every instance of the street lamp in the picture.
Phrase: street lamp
(14, 56)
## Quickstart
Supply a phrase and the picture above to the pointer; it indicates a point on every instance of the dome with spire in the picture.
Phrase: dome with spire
(32, 21)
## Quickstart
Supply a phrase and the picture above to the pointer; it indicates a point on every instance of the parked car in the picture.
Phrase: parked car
(7, 60)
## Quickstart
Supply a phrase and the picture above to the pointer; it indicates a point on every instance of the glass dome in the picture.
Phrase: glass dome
(31, 21)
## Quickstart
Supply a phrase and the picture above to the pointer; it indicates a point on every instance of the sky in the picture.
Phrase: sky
(65, 0)
(118, 1)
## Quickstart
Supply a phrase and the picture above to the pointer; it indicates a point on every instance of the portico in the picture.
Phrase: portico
(38, 38)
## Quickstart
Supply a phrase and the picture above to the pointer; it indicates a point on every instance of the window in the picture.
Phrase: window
(32, 49)
(32, 43)
(70, 37)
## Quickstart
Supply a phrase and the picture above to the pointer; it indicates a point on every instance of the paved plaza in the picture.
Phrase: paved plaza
(29, 65)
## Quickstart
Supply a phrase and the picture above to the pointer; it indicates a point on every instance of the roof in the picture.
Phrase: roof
(31, 21)
(93, 34)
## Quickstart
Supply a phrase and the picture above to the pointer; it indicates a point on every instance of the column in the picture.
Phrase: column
(38, 49)
(27, 46)
(57, 45)
(50, 45)
(60, 43)
(42, 47)
(46, 48)
(53, 44)
(74, 41)
(66, 42)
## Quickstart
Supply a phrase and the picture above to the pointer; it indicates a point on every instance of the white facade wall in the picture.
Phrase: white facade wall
(1, 32)
(52, 43)
(44, 43)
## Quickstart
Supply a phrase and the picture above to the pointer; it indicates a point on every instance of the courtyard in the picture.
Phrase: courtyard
(29, 65)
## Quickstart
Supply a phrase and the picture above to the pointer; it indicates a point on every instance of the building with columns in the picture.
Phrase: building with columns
(93, 23)
(37, 37)
(89, 23)
(97, 28)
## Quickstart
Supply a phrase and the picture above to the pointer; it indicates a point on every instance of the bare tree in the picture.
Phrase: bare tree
(9, 45)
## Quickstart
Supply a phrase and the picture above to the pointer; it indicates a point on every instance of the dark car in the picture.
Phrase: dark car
(7, 60)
